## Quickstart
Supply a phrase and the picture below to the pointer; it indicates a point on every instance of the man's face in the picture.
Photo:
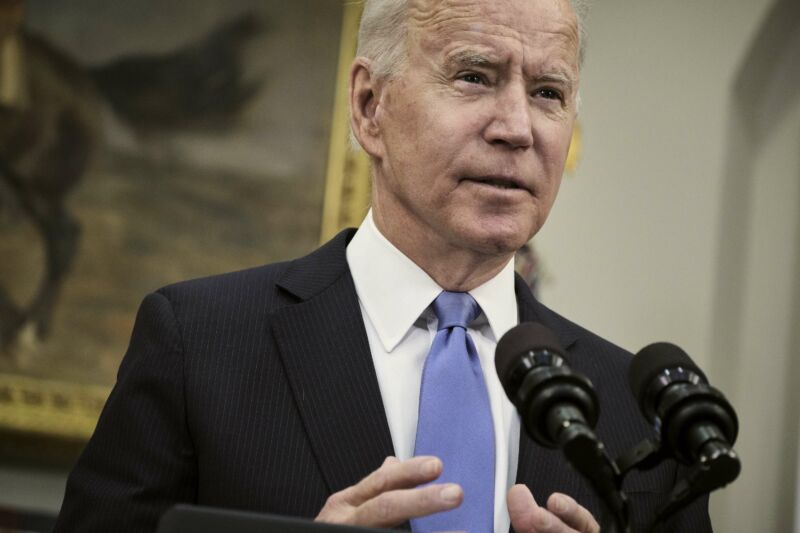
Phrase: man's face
(475, 128)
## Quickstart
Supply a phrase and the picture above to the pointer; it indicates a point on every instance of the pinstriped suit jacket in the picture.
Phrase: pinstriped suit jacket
(256, 390)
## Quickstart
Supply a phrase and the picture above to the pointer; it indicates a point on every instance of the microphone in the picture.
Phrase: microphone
(695, 421)
(559, 409)
(555, 404)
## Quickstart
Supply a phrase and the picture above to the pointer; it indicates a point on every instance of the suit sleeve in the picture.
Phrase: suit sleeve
(140, 460)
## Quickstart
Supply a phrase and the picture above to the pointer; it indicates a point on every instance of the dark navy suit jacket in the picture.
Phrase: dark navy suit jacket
(256, 390)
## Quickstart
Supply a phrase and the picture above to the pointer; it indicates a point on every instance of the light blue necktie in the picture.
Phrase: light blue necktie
(455, 420)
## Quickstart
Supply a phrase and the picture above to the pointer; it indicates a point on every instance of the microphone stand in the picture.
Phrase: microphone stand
(717, 466)
(584, 451)
(558, 410)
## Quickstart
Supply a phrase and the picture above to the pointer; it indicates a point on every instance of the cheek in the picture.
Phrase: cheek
(553, 191)
(429, 144)
(554, 140)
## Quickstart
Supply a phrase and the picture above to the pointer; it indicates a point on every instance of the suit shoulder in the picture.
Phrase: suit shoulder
(585, 340)
(602, 347)
(255, 285)
(272, 285)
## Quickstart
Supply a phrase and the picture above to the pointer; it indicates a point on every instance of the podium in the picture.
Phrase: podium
(196, 519)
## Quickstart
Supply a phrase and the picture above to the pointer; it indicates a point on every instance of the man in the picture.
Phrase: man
(300, 388)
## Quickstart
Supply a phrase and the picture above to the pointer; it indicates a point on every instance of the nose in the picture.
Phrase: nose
(511, 123)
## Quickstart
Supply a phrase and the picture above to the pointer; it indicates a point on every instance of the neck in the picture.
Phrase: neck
(452, 267)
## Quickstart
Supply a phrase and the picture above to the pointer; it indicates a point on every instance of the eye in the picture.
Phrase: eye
(549, 94)
(472, 77)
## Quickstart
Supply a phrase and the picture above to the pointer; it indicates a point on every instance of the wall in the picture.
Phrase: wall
(761, 385)
(630, 246)
(682, 222)
(38, 490)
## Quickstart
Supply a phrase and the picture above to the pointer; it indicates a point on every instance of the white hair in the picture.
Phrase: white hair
(383, 32)
(384, 29)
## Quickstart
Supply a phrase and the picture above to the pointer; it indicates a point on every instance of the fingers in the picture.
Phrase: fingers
(563, 514)
(572, 513)
(390, 495)
(528, 517)
(395, 507)
(522, 509)
(392, 475)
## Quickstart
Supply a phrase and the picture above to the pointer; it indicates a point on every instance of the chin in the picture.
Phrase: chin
(505, 234)
(500, 243)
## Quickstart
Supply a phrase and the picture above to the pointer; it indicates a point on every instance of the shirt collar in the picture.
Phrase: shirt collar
(393, 306)
(498, 301)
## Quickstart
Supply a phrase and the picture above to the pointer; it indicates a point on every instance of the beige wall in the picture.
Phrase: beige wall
(682, 222)
(767, 340)
(631, 243)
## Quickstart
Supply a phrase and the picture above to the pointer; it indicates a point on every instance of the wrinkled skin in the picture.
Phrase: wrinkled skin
(469, 138)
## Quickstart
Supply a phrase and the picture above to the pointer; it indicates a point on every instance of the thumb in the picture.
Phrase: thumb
(521, 506)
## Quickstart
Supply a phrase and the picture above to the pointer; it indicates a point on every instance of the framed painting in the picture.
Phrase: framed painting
(145, 143)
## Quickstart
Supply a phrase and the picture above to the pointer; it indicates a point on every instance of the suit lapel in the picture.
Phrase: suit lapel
(324, 348)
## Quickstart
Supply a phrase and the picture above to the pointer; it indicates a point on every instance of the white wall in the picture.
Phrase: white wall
(631, 242)
(761, 386)
(682, 222)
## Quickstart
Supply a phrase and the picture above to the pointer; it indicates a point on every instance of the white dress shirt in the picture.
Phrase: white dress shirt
(395, 297)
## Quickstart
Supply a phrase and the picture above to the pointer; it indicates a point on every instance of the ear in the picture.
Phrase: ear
(364, 98)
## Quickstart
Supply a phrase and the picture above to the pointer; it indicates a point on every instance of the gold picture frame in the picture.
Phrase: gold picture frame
(58, 416)
(66, 412)
(347, 182)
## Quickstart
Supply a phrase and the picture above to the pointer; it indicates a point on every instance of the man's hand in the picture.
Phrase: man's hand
(389, 496)
(562, 515)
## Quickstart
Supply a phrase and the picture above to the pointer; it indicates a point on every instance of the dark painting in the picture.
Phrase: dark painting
(146, 142)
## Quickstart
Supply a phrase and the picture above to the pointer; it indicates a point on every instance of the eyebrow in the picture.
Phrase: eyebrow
(471, 58)
(556, 77)
(467, 58)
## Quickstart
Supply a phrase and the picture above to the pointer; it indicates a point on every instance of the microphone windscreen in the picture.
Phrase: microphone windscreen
(653, 359)
(520, 340)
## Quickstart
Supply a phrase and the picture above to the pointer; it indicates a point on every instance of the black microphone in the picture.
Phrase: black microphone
(555, 404)
(695, 421)
(559, 409)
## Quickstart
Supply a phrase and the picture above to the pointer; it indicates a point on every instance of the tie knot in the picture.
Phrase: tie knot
(455, 309)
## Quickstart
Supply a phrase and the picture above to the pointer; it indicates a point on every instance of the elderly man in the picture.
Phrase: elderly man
(356, 385)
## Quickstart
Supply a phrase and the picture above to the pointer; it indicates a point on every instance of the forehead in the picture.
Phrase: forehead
(538, 29)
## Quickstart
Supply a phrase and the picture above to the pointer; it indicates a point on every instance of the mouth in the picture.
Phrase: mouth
(501, 182)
